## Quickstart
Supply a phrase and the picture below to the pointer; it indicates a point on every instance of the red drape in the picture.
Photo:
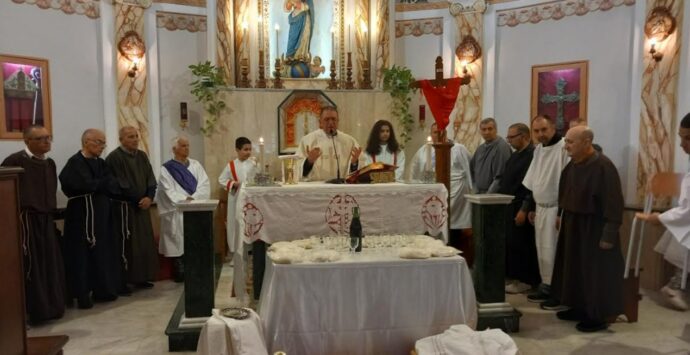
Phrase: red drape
(441, 99)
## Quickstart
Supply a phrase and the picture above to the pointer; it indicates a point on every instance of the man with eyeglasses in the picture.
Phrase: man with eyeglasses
(91, 251)
(522, 269)
(132, 222)
(43, 268)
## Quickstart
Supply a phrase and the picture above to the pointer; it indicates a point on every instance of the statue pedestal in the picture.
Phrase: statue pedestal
(489, 216)
(199, 280)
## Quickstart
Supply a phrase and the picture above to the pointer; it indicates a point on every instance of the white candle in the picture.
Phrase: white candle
(261, 33)
(428, 154)
(365, 43)
(333, 42)
(261, 154)
(349, 37)
(277, 47)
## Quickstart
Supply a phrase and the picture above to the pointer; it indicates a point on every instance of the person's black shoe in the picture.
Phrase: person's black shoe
(552, 305)
(590, 326)
(124, 291)
(145, 285)
(538, 297)
(104, 298)
(570, 315)
(84, 302)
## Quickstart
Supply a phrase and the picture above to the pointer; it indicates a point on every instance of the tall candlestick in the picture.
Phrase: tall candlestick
(261, 154)
(428, 154)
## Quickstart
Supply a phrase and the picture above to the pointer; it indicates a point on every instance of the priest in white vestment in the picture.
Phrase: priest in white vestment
(542, 178)
(327, 153)
(382, 146)
(460, 178)
(181, 179)
(675, 243)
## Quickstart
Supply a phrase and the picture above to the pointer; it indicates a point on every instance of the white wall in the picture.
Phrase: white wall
(69, 42)
(603, 38)
(176, 51)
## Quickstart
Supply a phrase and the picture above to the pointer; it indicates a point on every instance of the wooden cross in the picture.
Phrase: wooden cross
(442, 149)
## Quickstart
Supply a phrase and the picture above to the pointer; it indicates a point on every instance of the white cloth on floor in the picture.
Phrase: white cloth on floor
(227, 336)
(462, 340)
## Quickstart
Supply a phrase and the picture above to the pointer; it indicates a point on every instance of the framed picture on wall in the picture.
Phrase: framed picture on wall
(560, 91)
(24, 95)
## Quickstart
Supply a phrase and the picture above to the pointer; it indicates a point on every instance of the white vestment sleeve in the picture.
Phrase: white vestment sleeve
(225, 177)
(203, 188)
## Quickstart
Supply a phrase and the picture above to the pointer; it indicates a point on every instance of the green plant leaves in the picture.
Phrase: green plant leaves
(208, 78)
(397, 83)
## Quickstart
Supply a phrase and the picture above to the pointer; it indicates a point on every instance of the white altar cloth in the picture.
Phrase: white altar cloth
(226, 336)
(291, 212)
(369, 303)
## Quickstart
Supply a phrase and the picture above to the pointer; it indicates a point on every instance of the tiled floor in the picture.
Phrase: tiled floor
(136, 325)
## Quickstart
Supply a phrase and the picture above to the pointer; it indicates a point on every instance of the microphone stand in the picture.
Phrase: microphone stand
(338, 179)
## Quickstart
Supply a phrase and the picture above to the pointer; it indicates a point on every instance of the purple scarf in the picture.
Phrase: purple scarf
(182, 175)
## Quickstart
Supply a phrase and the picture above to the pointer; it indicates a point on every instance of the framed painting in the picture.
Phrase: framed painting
(560, 91)
(24, 95)
(298, 115)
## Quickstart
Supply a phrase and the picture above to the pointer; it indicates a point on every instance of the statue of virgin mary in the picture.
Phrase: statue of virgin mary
(301, 21)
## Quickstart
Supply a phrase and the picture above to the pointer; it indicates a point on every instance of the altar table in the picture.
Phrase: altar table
(289, 212)
(369, 303)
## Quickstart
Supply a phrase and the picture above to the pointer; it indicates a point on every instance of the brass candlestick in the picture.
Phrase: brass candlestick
(244, 74)
(333, 84)
(277, 83)
(261, 83)
(349, 84)
(366, 78)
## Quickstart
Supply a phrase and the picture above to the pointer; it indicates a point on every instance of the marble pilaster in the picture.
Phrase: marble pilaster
(361, 40)
(224, 39)
(383, 44)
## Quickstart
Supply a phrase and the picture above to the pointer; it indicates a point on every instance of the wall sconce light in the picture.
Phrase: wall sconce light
(132, 47)
(467, 52)
(660, 24)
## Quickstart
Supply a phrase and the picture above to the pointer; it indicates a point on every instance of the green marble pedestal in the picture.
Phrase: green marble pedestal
(489, 216)
(199, 285)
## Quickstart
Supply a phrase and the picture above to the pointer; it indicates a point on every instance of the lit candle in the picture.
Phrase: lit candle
(261, 154)
(261, 33)
(428, 154)
(349, 37)
(277, 47)
(332, 42)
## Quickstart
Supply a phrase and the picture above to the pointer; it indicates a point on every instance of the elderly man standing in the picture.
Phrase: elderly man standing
(588, 274)
(327, 153)
(91, 253)
(489, 159)
(43, 268)
(182, 179)
(543, 175)
(132, 222)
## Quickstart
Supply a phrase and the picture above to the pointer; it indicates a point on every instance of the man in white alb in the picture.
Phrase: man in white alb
(181, 179)
(542, 178)
(327, 153)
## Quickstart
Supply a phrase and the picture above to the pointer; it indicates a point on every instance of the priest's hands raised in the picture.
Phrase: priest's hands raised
(354, 154)
(313, 154)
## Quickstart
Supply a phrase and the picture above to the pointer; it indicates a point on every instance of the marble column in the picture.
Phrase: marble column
(242, 13)
(489, 216)
(224, 40)
(361, 40)
(383, 44)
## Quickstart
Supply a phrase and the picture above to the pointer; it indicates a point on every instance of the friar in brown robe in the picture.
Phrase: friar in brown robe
(588, 271)
(132, 219)
(43, 268)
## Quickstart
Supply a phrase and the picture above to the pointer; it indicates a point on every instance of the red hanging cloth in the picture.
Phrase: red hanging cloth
(441, 99)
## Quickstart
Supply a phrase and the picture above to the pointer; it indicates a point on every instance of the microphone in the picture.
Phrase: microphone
(333, 133)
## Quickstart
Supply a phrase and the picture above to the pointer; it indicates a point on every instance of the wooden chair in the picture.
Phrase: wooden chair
(662, 185)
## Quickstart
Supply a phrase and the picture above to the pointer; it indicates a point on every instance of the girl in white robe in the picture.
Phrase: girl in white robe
(382, 146)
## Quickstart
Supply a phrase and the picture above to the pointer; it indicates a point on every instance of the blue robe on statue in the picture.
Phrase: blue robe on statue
(297, 28)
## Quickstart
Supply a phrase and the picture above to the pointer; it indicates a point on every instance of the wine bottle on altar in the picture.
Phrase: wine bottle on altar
(356, 229)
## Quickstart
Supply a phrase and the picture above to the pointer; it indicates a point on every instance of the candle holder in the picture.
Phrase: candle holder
(263, 179)
(244, 74)
(277, 82)
(366, 80)
(333, 84)
(261, 83)
(349, 84)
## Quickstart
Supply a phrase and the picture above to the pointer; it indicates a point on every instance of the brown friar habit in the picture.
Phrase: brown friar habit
(521, 249)
(132, 224)
(587, 278)
(91, 250)
(43, 269)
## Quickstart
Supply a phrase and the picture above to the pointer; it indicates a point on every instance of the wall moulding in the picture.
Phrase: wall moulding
(555, 10)
(88, 8)
(181, 22)
(419, 27)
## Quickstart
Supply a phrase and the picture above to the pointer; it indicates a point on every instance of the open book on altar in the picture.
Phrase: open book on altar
(376, 172)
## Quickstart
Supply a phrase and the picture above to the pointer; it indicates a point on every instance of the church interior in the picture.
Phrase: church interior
(199, 74)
